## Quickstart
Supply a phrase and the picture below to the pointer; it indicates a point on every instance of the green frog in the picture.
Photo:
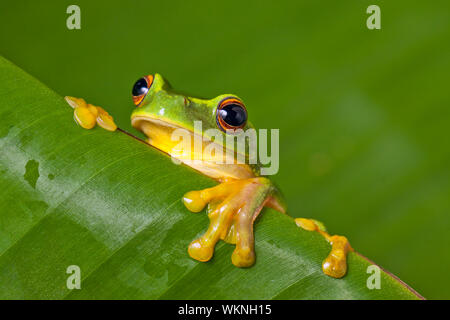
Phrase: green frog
(242, 191)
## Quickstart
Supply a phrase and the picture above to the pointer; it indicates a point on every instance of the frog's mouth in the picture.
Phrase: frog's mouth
(161, 134)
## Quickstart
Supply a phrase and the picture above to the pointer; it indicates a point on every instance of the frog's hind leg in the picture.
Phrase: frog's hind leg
(233, 207)
(335, 265)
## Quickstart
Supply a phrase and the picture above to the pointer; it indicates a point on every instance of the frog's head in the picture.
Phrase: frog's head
(157, 102)
(160, 108)
(160, 111)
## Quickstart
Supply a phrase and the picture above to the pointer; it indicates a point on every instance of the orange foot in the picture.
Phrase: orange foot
(232, 208)
(87, 115)
(335, 265)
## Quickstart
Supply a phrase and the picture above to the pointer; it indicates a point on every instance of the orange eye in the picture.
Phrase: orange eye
(140, 89)
(231, 114)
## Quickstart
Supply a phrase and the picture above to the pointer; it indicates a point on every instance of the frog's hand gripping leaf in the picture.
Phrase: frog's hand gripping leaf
(87, 115)
(232, 208)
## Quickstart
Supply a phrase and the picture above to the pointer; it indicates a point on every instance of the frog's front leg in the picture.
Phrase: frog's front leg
(335, 265)
(87, 115)
(232, 208)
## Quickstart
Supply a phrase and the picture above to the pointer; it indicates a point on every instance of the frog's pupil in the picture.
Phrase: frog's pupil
(140, 87)
(233, 115)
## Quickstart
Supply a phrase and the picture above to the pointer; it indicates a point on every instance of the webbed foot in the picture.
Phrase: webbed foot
(335, 265)
(232, 208)
(87, 115)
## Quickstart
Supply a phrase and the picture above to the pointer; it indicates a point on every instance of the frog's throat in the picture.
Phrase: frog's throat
(161, 134)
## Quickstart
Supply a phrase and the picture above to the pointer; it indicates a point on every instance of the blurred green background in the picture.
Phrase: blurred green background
(364, 115)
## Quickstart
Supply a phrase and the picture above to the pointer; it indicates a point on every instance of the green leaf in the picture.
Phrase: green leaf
(110, 204)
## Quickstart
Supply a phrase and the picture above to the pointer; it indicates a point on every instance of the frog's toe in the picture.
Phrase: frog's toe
(84, 117)
(105, 120)
(335, 265)
(193, 201)
(201, 251)
(243, 257)
(75, 102)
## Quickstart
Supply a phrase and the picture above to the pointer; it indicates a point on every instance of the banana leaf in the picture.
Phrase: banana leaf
(111, 205)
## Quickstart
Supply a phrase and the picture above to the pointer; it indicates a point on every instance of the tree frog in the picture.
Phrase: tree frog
(242, 192)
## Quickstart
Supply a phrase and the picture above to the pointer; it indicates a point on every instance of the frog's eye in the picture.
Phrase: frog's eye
(141, 88)
(231, 114)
